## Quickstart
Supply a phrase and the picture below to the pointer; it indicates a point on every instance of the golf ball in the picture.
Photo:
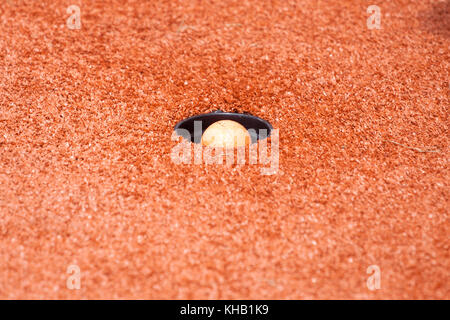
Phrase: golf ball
(226, 134)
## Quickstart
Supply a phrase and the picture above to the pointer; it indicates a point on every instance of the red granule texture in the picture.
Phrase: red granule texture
(86, 177)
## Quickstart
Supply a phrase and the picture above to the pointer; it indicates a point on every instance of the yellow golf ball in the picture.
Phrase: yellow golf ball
(226, 134)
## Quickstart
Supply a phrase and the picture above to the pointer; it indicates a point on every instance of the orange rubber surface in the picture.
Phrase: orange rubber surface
(86, 177)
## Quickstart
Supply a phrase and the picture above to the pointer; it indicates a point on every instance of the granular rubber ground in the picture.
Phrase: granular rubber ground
(86, 178)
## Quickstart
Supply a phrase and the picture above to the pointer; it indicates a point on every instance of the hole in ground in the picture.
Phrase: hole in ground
(247, 120)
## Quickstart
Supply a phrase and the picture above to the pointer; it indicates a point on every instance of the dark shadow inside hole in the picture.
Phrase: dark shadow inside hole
(247, 120)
